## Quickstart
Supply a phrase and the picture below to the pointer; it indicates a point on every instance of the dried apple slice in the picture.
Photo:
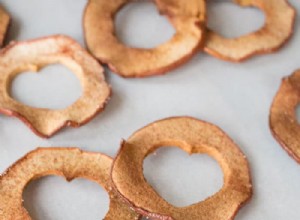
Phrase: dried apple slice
(278, 28)
(35, 54)
(70, 163)
(192, 136)
(4, 22)
(283, 121)
(187, 19)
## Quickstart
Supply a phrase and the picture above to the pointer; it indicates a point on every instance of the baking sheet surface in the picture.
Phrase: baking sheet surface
(236, 97)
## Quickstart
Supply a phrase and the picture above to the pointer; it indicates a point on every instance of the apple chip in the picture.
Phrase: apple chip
(192, 136)
(278, 28)
(4, 22)
(283, 121)
(35, 54)
(187, 19)
(70, 163)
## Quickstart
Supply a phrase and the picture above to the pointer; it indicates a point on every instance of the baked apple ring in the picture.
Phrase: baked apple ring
(70, 163)
(35, 54)
(4, 23)
(192, 136)
(283, 121)
(187, 19)
(278, 28)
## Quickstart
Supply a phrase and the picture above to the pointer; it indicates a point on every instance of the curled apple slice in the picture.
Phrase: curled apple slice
(187, 19)
(283, 121)
(35, 54)
(4, 23)
(278, 28)
(192, 136)
(70, 163)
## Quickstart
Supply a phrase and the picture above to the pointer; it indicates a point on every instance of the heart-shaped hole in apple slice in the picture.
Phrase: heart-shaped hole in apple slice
(139, 25)
(182, 179)
(53, 87)
(231, 20)
(52, 198)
